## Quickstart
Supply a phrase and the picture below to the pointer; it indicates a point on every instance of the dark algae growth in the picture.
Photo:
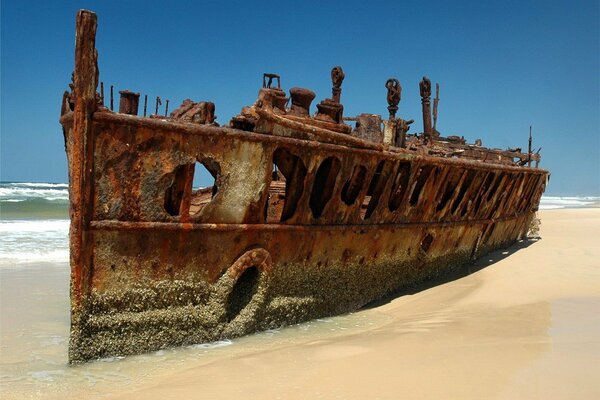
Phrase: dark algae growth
(311, 214)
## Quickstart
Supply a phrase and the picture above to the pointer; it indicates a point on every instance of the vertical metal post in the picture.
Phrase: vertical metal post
(158, 103)
(111, 98)
(145, 103)
(529, 149)
(102, 92)
(425, 89)
(435, 108)
(167, 108)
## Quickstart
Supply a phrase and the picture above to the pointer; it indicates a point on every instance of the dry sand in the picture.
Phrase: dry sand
(525, 324)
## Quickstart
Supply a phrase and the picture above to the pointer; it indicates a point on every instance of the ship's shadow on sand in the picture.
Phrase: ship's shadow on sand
(456, 273)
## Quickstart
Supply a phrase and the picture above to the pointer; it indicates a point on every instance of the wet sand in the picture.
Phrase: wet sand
(525, 323)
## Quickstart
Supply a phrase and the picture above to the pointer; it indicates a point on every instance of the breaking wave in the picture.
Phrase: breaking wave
(34, 225)
(556, 202)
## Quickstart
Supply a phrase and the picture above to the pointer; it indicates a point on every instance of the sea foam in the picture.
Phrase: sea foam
(556, 202)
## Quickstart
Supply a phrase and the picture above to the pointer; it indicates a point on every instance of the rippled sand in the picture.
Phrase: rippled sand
(524, 324)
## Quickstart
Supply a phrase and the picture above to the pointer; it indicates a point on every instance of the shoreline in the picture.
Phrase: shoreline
(519, 323)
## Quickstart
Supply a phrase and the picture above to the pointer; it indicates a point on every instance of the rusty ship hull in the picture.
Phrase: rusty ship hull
(304, 219)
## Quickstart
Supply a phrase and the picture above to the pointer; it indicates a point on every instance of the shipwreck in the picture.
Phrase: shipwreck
(310, 215)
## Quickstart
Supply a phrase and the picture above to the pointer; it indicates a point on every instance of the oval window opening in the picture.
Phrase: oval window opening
(323, 185)
(205, 185)
(244, 289)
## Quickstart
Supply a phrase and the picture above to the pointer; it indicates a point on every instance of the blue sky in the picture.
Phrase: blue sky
(502, 66)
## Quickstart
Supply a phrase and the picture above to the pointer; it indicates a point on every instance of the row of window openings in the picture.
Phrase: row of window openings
(289, 175)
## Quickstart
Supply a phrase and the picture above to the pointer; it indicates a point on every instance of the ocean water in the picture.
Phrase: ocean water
(556, 202)
(34, 223)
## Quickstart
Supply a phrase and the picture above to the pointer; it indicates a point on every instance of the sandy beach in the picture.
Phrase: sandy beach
(521, 323)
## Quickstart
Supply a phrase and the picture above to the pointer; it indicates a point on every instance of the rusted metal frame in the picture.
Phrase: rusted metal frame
(380, 155)
(533, 183)
(291, 185)
(325, 155)
(487, 233)
(444, 212)
(384, 202)
(441, 191)
(537, 188)
(480, 192)
(449, 186)
(540, 189)
(335, 209)
(530, 181)
(184, 213)
(464, 209)
(177, 226)
(318, 160)
(356, 142)
(330, 126)
(81, 156)
(405, 206)
(381, 213)
(332, 205)
(516, 194)
(520, 227)
(510, 229)
(378, 198)
(424, 171)
(371, 165)
(380, 150)
(413, 213)
(505, 196)
(317, 133)
(312, 161)
(396, 215)
(395, 185)
(210, 130)
(493, 152)
(459, 202)
(500, 196)
(463, 190)
(350, 213)
(494, 192)
(420, 208)
(489, 195)
(517, 228)
(435, 191)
